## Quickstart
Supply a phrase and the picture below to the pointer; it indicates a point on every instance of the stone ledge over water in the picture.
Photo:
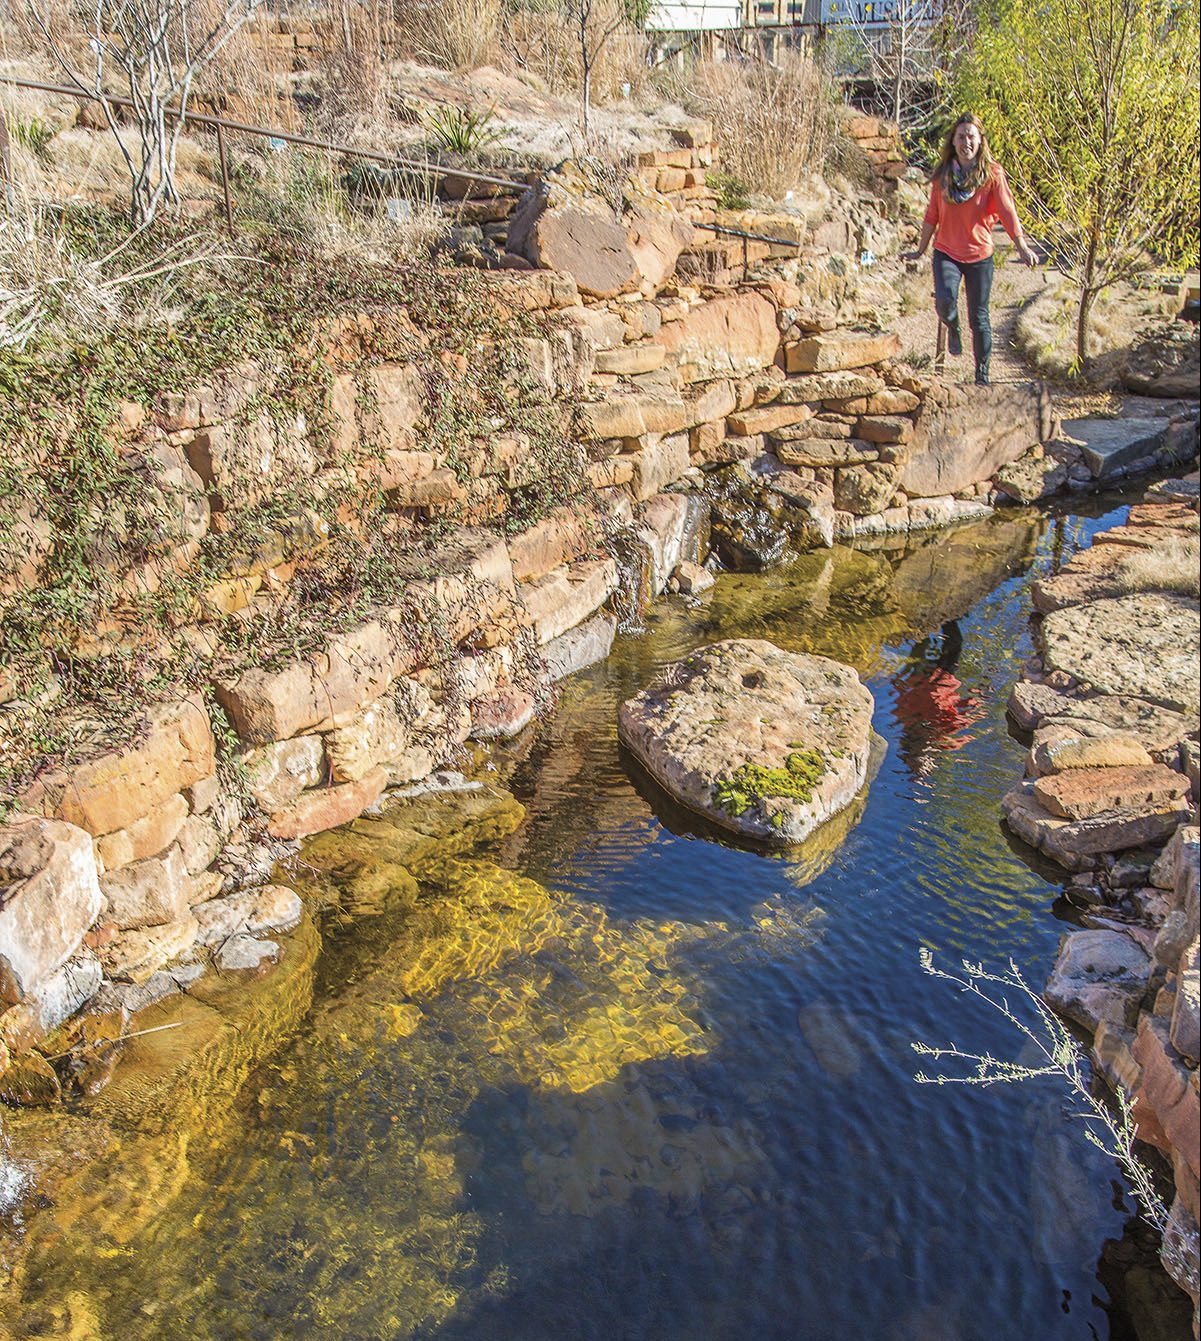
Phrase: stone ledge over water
(766, 743)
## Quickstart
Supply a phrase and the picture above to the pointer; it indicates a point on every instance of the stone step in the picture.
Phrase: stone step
(1080, 793)
(1075, 844)
(1112, 446)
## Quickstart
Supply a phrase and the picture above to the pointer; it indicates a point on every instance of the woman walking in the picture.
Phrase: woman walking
(968, 194)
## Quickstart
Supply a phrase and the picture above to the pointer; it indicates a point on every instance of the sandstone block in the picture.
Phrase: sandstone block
(376, 734)
(145, 837)
(728, 335)
(818, 453)
(1065, 750)
(316, 692)
(1142, 645)
(891, 400)
(965, 434)
(838, 385)
(276, 774)
(1166, 1095)
(1075, 844)
(49, 897)
(631, 359)
(1081, 792)
(661, 525)
(200, 841)
(592, 249)
(767, 418)
(580, 647)
(710, 402)
(554, 540)
(726, 730)
(147, 893)
(502, 714)
(328, 807)
(865, 489)
(1186, 1009)
(1098, 975)
(122, 786)
(884, 428)
(267, 908)
(135, 956)
(693, 579)
(561, 599)
(831, 353)
(661, 462)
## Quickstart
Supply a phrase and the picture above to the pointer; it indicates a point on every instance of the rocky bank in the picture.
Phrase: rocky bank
(1111, 795)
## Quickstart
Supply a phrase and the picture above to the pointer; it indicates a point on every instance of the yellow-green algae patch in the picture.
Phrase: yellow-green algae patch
(337, 1199)
(750, 784)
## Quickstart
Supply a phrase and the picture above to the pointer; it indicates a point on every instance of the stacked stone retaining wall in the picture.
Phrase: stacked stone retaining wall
(120, 867)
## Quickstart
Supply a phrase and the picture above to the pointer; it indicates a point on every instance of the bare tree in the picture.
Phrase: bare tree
(909, 55)
(594, 22)
(155, 49)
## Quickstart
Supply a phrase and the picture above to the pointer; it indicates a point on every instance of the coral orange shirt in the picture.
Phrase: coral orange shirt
(964, 231)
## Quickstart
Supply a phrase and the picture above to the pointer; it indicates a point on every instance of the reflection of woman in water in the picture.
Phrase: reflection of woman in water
(931, 709)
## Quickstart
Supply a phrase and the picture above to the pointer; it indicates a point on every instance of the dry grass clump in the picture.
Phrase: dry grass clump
(1174, 566)
(52, 288)
(774, 123)
(452, 34)
(1045, 331)
(303, 194)
(542, 42)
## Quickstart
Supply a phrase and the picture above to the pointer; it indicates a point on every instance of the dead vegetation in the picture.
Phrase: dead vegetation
(774, 124)
(1172, 566)
(1045, 329)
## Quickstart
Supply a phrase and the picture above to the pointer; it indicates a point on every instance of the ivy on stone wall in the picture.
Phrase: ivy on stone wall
(101, 594)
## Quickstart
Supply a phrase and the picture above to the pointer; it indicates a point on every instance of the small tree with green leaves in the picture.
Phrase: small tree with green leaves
(1093, 106)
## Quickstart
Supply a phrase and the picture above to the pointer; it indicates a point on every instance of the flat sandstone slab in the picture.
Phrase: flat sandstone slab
(766, 743)
(1082, 792)
(1144, 646)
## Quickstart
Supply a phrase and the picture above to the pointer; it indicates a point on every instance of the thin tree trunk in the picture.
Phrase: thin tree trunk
(1088, 294)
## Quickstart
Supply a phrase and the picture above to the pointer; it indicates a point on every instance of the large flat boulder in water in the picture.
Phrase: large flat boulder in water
(766, 743)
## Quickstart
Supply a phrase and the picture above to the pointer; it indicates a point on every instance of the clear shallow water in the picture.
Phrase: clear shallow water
(613, 1079)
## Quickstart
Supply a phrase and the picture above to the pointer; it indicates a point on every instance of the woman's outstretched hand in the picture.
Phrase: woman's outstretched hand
(912, 255)
(1028, 257)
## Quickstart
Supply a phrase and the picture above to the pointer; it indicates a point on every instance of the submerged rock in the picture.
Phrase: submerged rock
(1099, 975)
(766, 743)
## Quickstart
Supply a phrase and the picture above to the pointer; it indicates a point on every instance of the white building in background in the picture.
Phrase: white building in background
(695, 16)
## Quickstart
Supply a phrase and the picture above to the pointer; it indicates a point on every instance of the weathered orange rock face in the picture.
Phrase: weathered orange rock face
(328, 807)
(967, 433)
(833, 353)
(735, 334)
(1081, 792)
(123, 786)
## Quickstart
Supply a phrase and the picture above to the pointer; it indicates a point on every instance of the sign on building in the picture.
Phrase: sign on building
(878, 13)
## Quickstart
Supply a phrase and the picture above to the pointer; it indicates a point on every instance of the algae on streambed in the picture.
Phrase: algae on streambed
(465, 1018)
(333, 1193)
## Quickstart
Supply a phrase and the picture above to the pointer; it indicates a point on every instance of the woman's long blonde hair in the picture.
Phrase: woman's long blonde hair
(982, 171)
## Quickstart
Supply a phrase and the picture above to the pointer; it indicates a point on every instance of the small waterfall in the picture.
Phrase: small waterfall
(12, 1177)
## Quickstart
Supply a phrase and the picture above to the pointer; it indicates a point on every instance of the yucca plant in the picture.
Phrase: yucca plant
(462, 130)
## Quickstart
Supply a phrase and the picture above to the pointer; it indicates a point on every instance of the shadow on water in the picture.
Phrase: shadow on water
(609, 1074)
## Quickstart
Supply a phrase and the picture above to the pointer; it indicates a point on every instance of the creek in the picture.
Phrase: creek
(608, 1076)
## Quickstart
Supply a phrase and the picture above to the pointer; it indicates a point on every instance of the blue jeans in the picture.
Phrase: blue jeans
(977, 284)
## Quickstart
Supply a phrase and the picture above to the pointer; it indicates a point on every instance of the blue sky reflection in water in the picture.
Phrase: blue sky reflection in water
(677, 1102)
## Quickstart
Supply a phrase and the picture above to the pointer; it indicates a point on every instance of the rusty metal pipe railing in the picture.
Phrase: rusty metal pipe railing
(223, 124)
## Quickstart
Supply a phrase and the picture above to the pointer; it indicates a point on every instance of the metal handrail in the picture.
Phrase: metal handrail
(222, 124)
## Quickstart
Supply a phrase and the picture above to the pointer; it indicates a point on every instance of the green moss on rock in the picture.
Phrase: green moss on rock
(752, 783)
